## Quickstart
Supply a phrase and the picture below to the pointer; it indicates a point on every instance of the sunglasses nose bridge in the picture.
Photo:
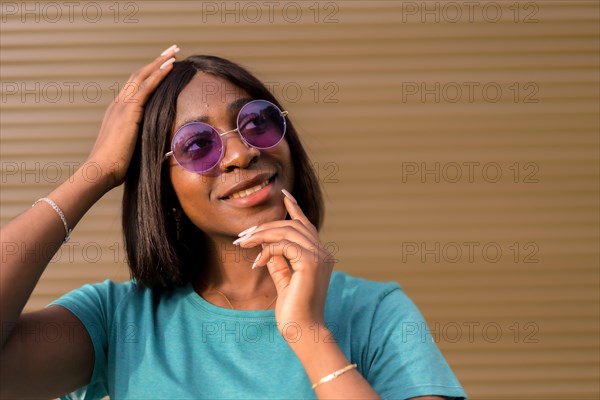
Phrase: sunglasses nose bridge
(231, 131)
(228, 132)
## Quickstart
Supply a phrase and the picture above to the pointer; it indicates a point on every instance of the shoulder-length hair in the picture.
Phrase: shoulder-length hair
(160, 253)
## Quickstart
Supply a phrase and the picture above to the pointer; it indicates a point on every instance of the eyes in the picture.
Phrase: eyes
(254, 124)
(199, 144)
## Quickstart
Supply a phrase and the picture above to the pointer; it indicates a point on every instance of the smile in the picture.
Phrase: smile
(247, 192)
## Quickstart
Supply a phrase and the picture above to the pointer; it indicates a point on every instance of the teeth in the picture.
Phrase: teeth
(248, 192)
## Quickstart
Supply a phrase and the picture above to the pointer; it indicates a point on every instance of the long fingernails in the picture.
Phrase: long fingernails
(167, 63)
(289, 196)
(238, 241)
(164, 53)
(247, 231)
(256, 260)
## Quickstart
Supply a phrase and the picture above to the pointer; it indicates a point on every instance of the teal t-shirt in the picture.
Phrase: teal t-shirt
(179, 346)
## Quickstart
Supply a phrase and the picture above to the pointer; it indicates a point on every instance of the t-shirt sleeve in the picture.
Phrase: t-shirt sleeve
(404, 361)
(93, 305)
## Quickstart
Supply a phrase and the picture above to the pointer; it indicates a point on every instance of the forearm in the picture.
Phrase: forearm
(31, 239)
(320, 355)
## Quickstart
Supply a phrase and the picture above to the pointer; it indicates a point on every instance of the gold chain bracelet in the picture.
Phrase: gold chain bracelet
(334, 375)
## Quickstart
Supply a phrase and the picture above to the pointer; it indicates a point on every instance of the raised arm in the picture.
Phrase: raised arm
(30, 367)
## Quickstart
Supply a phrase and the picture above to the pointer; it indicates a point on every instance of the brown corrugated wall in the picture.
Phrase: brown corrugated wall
(457, 143)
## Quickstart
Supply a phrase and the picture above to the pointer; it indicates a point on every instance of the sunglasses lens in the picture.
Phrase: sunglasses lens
(197, 147)
(261, 124)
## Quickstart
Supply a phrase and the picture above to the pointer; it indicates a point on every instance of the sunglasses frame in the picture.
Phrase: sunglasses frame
(220, 134)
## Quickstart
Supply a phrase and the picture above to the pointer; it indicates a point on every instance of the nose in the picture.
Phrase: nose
(237, 153)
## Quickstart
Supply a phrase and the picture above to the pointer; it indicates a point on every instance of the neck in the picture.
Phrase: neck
(228, 270)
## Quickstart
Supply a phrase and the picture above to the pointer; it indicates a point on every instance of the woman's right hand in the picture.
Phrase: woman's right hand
(116, 140)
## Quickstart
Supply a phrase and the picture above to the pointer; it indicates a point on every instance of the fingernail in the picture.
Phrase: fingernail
(289, 196)
(242, 233)
(167, 63)
(237, 241)
(168, 50)
(255, 261)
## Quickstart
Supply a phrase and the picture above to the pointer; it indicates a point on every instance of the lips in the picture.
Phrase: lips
(248, 192)
(248, 187)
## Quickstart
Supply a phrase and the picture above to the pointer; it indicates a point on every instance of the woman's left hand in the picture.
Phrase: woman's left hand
(299, 265)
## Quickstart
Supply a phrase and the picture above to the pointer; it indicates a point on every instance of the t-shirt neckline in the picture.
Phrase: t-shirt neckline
(201, 303)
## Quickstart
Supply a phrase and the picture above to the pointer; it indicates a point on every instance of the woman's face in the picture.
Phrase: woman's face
(206, 198)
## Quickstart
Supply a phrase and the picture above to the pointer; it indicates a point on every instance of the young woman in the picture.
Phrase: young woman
(233, 294)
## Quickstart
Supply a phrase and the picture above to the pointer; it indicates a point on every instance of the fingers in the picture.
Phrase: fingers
(280, 273)
(281, 229)
(295, 211)
(285, 253)
(143, 82)
(295, 250)
(276, 231)
(299, 249)
(295, 224)
(293, 237)
(277, 235)
(160, 61)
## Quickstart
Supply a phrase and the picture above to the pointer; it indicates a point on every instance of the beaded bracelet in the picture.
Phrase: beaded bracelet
(60, 214)
(334, 375)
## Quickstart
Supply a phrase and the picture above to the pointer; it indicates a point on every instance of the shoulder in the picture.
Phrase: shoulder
(344, 288)
(108, 292)
(353, 299)
(96, 303)
(366, 306)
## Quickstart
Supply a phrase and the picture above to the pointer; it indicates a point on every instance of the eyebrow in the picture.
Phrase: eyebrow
(232, 107)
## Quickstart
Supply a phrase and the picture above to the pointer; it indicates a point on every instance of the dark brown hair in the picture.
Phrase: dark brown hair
(156, 257)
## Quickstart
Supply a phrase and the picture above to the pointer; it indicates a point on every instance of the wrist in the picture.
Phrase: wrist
(97, 175)
(309, 339)
(298, 334)
(317, 351)
(324, 361)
